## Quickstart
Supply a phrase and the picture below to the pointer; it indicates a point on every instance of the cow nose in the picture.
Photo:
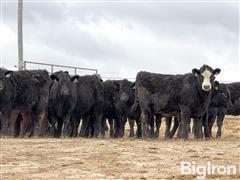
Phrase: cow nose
(206, 87)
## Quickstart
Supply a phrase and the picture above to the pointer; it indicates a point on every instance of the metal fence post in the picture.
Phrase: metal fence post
(51, 69)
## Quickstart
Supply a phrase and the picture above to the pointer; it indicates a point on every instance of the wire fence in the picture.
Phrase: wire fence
(89, 71)
(55, 67)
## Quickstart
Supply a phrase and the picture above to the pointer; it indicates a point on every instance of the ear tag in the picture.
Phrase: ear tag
(8, 75)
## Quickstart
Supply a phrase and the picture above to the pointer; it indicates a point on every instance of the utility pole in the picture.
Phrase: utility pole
(20, 35)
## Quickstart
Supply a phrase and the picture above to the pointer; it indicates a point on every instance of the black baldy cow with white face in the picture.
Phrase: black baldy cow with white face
(206, 76)
(195, 98)
(188, 93)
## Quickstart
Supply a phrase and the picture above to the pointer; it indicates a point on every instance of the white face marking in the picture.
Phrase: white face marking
(75, 81)
(206, 85)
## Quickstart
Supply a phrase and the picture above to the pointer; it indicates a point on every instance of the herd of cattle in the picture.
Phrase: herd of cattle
(36, 103)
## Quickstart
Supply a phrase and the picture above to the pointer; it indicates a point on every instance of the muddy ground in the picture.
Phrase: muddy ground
(117, 158)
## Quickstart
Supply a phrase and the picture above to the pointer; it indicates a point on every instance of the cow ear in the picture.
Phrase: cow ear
(195, 72)
(216, 71)
(8, 74)
(216, 85)
(54, 77)
(75, 78)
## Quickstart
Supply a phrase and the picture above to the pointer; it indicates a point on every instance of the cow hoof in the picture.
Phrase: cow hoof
(218, 136)
(183, 136)
(167, 137)
(131, 135)
(156, 136)
(207, 138)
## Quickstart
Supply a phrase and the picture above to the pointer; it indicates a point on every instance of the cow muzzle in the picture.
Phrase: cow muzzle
(206, 87)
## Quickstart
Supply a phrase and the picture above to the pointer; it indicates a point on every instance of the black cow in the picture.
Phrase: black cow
(90, 100)
(111, 89)
(62, 101)
(123, 102)
(220, 103)
(234, 89)
(118, 99)
(189, 94)
(25, 93)
(225, 100)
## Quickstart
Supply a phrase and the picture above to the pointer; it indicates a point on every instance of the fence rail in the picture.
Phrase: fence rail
(61, 66)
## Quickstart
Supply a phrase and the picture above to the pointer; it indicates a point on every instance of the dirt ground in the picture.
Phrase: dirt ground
(117, 158)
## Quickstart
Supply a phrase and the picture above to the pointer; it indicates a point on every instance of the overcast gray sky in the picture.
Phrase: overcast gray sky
(121, 38)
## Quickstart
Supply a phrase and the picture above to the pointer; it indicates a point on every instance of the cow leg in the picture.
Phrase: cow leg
(58, 130)
(41, 124)
(104, 125)
(42, 113)
(206, 127)
(66, 120)
(30, 128)
(210, 124)
(12, 122)
(158, 122)
(131, 124)
(97, 125)
(175, 126)
(198, 129)
(220, 119)
(18, 126)
(75, 125)
(122, 126)
(151, 123)
(116, 127)
(189, 127)
(139, 128)
(110, 121)
(5, 115)
(90, 128)
(53, 121)
(98, 115)
(145, 125)
(84, 131)
(70, 128)
(26, 119)
(185, 121)
(168, 126)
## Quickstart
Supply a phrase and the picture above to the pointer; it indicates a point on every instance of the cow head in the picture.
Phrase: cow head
(126, 91)
(221, 96)
(62, 81)
(205, 76)
(4, 77)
